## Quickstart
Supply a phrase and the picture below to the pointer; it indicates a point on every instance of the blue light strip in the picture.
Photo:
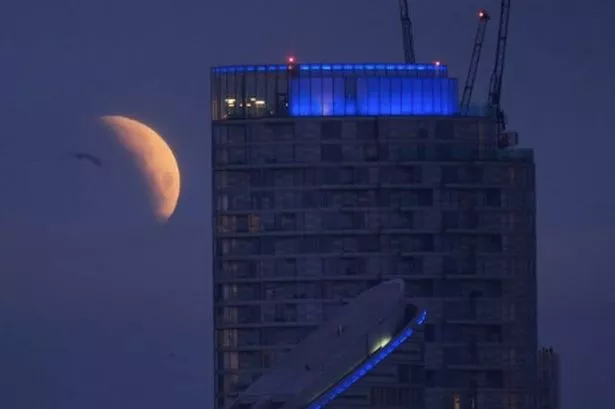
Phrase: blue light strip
(367, 366)
(333, 67)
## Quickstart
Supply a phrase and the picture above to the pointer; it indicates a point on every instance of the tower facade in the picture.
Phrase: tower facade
(329, 178)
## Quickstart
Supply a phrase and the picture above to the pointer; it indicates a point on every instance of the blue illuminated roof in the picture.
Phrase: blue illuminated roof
(336, 89)
(366, 366)
(333, 67)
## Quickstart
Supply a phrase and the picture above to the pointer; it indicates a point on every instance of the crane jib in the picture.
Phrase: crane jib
(407, 36)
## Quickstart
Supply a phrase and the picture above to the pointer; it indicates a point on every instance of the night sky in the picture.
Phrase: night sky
(100, 307)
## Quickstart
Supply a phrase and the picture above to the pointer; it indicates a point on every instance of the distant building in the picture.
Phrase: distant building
(548, 379)
(329, 178)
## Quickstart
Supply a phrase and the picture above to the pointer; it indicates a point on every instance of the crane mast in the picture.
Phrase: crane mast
(407, 37)
(495, 82)
(479, 39)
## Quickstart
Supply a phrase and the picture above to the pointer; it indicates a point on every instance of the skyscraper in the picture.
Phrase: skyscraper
(329, 178)
(548, 379)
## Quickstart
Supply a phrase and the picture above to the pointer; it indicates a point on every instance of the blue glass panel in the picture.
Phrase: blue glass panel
(396, 96)
(428, 97)
(384, 95)
(327, 96)
(317, 96)
(339, 97)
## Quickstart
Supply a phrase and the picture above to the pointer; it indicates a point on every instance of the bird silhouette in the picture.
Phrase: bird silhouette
(88, 157)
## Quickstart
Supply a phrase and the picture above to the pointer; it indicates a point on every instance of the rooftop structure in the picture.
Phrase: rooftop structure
(339, 89)
(338, 353)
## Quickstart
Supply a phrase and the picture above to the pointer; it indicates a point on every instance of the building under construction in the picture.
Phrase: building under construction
(332, 177)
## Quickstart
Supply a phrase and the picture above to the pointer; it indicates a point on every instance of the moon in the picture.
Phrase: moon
(155, 160)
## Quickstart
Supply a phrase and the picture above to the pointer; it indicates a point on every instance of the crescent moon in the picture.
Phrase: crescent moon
(155, 160)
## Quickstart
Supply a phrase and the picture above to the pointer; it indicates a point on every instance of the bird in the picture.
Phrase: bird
(87, 156)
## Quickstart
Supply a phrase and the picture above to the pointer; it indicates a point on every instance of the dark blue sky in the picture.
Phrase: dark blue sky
(100, 308)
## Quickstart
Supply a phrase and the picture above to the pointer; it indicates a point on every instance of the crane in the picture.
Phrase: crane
(468, 88)
(406, 31)
(495, 82)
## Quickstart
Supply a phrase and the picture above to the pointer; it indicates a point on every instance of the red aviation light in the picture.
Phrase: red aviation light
(291, 62)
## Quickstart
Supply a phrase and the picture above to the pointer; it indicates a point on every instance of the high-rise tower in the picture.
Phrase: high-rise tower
(329, 178)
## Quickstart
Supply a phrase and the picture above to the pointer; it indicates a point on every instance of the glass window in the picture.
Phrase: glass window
(443, 152)
(493, 289)
(237, 269)
(352, 152)
(239, 315)
(221, 134)
(366, 129)
(424, 197)
(329, 176)
(332, 266)
(399, 220)
(249, 360)
(285, 199)
(230, 292)
(429, 331)
(221, 156)
(262, 153)
(311, 177)
(347, 176)
(494, 379)
(284, 178)
(332, 130)
(331, 152)
(408, 266)
(369, 244)
(492, 243)
(286, 221)
(493, 197)
(286, 268)
(267, 245)
(284, 152)
(228, 360)
(408, 152)
(449, 174)
(417, 374)
(337, 220)
(310, 199)
(450, 220)
(310, 267)
(403, 374)
(236, 134)
(445, 129)
(310, 245)
(370, 152)
(449, 288)
(239, 200)
(237, 156)
(307, 152)
(285, 313)
(423, 288)
(262, 200)
(286, 245)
